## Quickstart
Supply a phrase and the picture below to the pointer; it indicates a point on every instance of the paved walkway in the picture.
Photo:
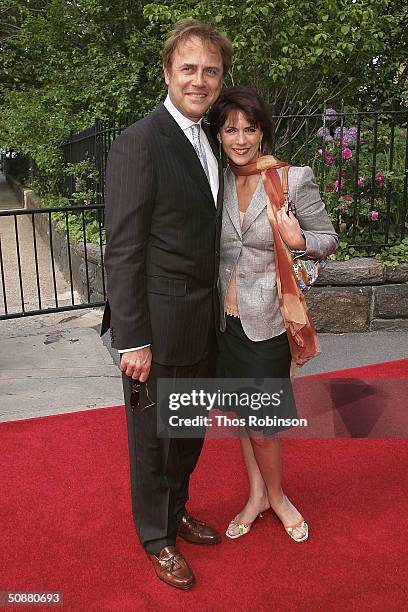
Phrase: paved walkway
(8, 200)
(30, 298)
(57, 363)
(51, 363)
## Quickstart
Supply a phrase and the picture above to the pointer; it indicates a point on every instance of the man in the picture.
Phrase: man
(163, 205)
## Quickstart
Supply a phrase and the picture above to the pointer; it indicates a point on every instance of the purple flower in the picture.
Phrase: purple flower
(347, 153)
(341, 173)
(361, 181)
(345, 207)
(346, 134)
(348, 198)
(329, 159)
(337, 185)
(320, 151)
(330, 114)
(374, 215)
(352, 134)
(323, 132)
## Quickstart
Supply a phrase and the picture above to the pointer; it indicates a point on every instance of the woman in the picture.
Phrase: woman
(264, 331)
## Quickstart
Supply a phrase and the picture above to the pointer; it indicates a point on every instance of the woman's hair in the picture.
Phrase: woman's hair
(187, 28)
(242, 99)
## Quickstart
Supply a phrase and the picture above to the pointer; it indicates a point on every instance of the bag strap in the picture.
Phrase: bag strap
(285, 183)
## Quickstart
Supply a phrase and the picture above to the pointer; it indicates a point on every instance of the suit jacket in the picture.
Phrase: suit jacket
(162, 252)
(250, 251)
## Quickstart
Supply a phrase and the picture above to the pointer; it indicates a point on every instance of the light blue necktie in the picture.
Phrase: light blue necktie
(199, 149)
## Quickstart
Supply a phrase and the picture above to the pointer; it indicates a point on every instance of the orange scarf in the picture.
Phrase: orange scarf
(302, 335)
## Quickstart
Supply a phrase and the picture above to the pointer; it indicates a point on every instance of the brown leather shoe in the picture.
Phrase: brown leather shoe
(197, 532)
(172, 568)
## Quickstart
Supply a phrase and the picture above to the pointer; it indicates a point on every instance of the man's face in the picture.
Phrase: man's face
(194, 77)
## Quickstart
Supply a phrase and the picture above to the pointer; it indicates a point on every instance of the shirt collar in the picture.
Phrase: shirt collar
(183, 122)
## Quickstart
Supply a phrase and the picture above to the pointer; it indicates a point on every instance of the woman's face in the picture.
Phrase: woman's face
(240, 139)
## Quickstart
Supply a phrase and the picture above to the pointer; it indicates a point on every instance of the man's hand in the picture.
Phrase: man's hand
(289, 229)
(137, 363)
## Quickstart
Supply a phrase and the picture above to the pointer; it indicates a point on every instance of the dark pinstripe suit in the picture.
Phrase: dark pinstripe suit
(161, 259)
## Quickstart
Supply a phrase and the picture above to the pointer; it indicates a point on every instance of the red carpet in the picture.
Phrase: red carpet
(364, 402)
(66, 523)
(387, 369)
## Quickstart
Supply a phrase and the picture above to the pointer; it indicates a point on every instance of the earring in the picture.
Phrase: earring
(260, 146)
(220, 146)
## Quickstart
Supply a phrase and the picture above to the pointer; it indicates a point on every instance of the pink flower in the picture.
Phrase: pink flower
(329, 159)
(320, 151)
(380, 180)
(337, 185)
(329, 187)
(344, 207)
(361, 181)
(341, 173)
(347, 153)
(374, 215)
(348, 198)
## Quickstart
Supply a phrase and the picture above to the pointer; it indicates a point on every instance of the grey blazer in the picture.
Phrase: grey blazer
(249, 249)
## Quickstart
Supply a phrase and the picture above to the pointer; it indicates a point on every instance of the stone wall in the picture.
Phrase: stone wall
(80, 264)
(18, 189)
(358, 295)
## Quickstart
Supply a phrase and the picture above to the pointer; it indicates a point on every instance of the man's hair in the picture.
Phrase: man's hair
(185, 29)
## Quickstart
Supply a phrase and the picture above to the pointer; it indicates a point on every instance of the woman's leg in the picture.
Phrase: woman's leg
(258, 495)
(268, 456)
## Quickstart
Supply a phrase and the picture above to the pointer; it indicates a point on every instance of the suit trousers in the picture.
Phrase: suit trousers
(160, 468)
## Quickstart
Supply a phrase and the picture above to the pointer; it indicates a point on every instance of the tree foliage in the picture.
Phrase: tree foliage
(66, 62)
(305, 50)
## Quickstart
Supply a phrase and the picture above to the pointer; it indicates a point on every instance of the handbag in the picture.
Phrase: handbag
(306, 270)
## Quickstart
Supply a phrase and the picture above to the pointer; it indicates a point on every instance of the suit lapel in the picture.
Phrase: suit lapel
(206, 129)
(215, 150)
(231, 201)
(256, 206)
(220, 197)
(181, 146)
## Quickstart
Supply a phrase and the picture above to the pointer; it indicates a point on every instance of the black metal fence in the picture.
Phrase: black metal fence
(360, 160)
(359, 157)
(92, 144)
(42, 269)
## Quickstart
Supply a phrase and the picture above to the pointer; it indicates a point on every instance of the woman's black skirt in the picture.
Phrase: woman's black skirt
(240, 357)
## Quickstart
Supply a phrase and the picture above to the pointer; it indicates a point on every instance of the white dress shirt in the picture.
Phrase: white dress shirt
(185, 124)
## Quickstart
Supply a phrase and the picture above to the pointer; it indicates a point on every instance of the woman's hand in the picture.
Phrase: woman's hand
(290, 230)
